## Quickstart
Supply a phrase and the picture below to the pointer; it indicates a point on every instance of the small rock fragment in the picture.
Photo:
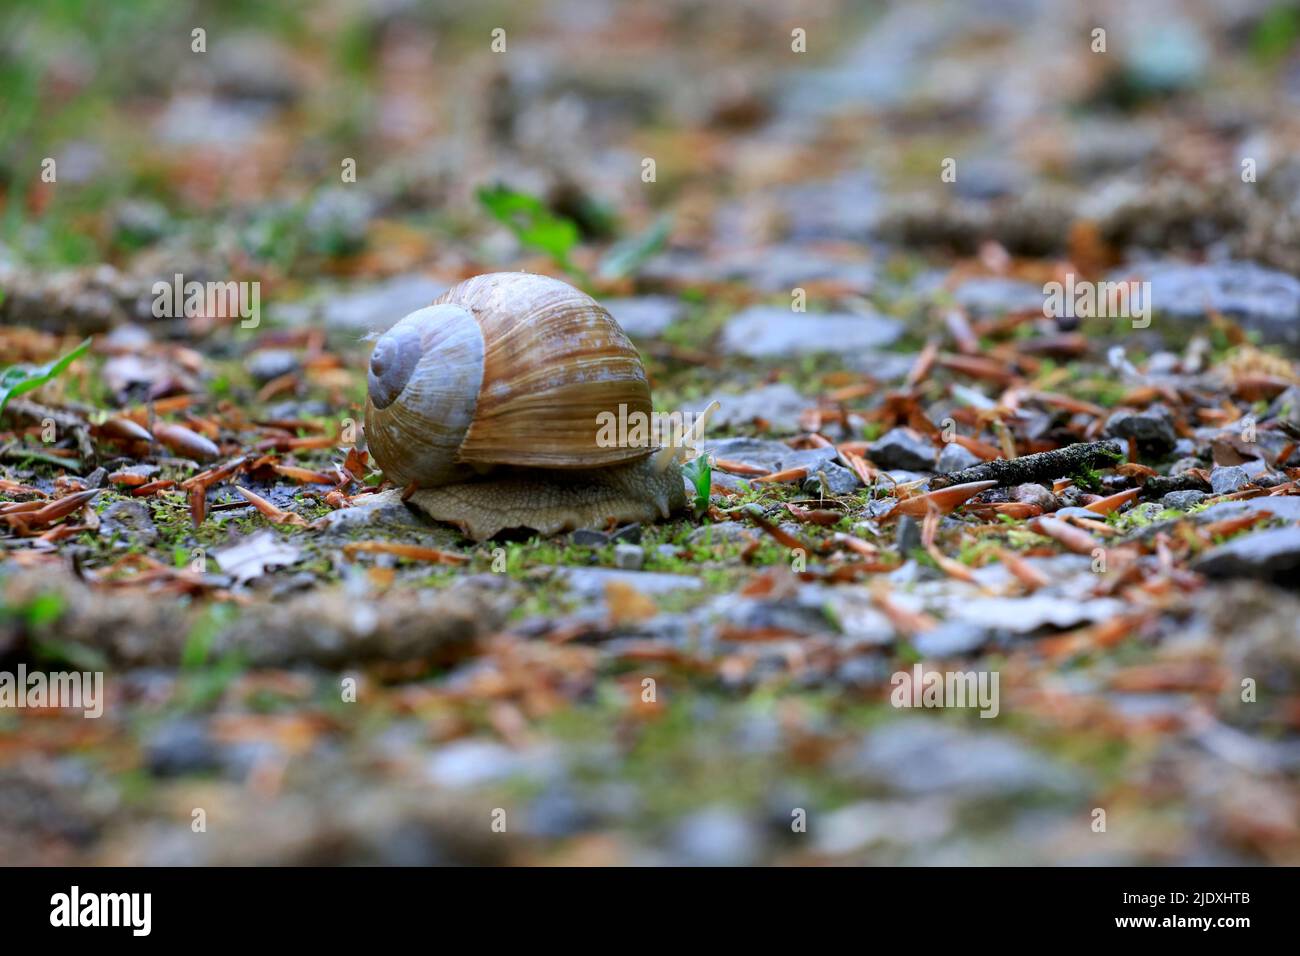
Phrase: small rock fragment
(1151, 429)
(1228, 479)
(1182, 500)
(629, 557)
(1035, 494)
(831, 479)
(589, 538)
(907, 536)
(903, 448)
(1271, 555)
(954, 457)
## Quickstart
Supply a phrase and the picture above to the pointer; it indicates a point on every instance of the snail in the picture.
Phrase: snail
(488, 403)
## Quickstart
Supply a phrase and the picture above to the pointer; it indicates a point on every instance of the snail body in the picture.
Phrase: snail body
(554, 501)
(487, 403)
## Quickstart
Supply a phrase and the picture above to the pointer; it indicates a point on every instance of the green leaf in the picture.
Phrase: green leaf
(18, 379)
(197, 650)
(626, 257)
(700, 474)
(535, 226)
(45, 609)
(1275, 34)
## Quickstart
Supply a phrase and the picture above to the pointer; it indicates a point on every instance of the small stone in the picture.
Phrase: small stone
(589, 538)
(954, 457)
(1287, 405)
(629, 557)
(1146, 511)
(179, 747)
(991, 177)
(907, 535)
(993, 295)
(1174, 59)
(879, 507)
(1182, 500)
(1272, 555)
(903, 448)
(1035, 494)
(777, 406)
(1151, 429)
(464, 764)
(337, 220)
(385, 509)
(628, 534)
(1283, 507)
(717, 836)
(558, 812)
(951, 639)
(765, 331)
(140, 222)
(266, 364)
(842, 207)
(865, 672)
(1261, 300)
(927, 756)
(645, 317)
(838, 480)
(724, 532)
(1228, 479)
(379, 305)
(772, 455)
(591, 582)
(882, 366)
(132, 518)
(784, 266)
(1024, 615)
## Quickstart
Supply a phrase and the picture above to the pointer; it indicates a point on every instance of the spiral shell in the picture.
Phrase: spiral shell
(507, 368)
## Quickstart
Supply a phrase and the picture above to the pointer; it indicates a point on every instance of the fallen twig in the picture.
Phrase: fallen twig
(1036, 468)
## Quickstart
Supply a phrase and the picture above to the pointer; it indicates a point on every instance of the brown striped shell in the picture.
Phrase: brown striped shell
(507, 368)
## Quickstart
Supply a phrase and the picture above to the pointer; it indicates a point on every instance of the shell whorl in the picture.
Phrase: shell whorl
(554, 360)
(424, 379)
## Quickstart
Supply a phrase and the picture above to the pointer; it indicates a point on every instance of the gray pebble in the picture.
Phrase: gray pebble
(838, 480)
(907, 536)
(902, 448)
(954, 458)
(1229, 479)
(1151, 429)
(629, 557)
(628, 534)
(180, 747)
(1183, 500)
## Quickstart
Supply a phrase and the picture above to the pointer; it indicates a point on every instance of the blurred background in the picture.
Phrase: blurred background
(233, 157)
(790, 145)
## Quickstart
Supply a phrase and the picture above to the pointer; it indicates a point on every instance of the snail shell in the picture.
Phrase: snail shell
(507, 368)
